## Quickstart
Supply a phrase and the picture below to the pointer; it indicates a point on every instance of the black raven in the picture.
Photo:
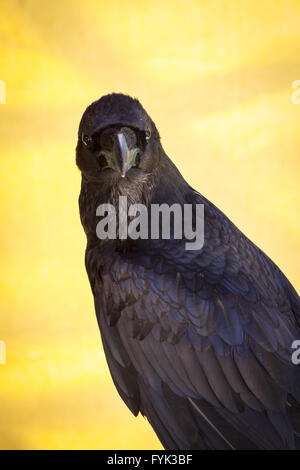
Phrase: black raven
(199, 341)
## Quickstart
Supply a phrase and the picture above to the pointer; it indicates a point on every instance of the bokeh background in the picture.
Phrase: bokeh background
(216, 78)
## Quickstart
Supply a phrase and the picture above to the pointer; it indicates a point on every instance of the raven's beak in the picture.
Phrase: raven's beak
(126, 156)
(121, 158)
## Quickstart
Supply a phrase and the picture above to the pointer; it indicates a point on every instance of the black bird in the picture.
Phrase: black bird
(199, 341)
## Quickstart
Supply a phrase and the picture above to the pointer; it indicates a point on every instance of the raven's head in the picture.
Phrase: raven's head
(117, 141)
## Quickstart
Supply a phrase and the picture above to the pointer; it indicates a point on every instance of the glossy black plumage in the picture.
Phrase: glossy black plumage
(197, 341)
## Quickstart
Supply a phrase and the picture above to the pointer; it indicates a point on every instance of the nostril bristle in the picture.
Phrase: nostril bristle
(137, 159)
(102, 161)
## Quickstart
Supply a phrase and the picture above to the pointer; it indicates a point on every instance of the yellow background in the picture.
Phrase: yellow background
(216, 78)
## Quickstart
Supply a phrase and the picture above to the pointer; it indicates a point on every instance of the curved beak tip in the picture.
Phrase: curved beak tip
(127, 156)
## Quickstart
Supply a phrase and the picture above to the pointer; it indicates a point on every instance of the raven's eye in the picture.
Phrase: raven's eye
(148, 134)
(87, 140)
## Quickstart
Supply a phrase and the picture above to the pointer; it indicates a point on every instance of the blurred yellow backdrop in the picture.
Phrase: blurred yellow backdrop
(216, 78)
